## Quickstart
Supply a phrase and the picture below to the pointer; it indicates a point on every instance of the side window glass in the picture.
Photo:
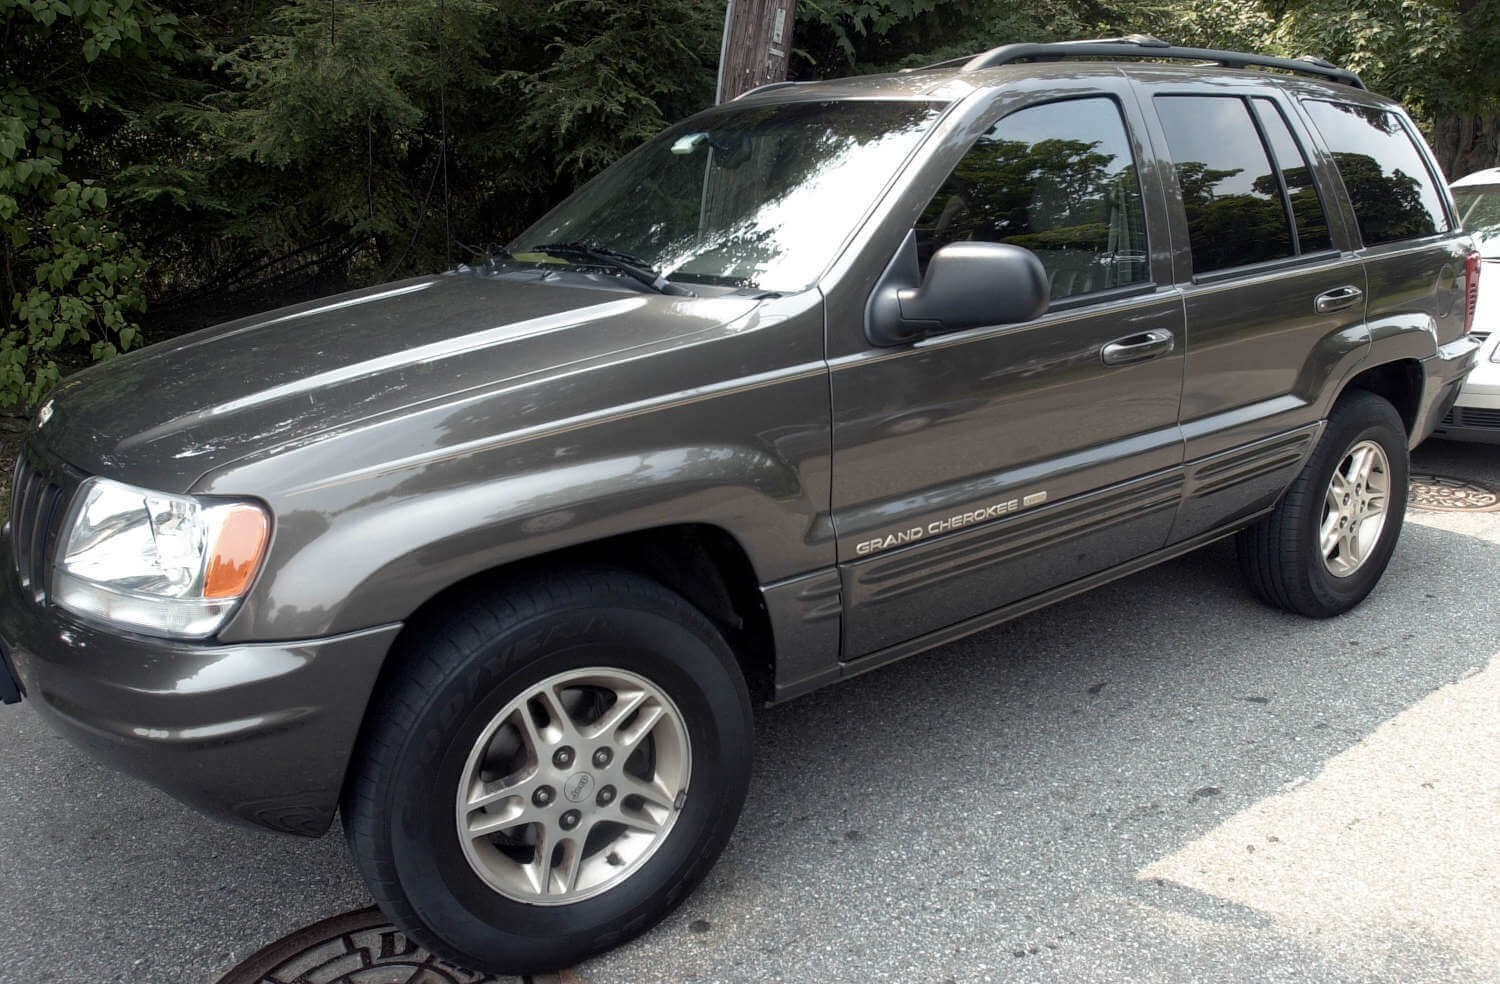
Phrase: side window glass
(1235, 212)
(1311, 219)
(1389, 185)
(1061, 181)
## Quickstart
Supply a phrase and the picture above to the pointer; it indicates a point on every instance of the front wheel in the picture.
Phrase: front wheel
(550, 770)
(1326, 545)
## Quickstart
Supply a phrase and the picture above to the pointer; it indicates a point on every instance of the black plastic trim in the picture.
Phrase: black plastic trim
(1267, 266)
(1143, 46)
(1104, 295)
(10, 688)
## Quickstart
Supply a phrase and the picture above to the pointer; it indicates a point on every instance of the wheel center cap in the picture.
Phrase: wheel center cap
(578, 787)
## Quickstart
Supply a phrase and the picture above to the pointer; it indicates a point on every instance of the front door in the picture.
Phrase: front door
(974, 469)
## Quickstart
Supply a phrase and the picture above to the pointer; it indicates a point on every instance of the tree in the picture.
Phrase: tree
(1436, 56)
(71, 278)
(268, 150)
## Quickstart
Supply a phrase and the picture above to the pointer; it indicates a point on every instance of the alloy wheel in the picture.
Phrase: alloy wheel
(1354, 508)
(573, 786)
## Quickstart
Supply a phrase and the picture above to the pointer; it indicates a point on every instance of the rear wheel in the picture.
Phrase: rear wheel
(550, 771)
(1326, 545)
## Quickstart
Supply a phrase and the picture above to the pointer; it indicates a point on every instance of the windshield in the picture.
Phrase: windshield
(753, 197)
(1479, 209)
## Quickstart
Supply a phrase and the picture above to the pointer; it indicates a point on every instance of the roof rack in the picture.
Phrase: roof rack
(1145, 46)
(766, 87)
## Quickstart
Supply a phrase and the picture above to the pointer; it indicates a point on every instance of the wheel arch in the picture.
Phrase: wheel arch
(703, 563)
(1399, 382)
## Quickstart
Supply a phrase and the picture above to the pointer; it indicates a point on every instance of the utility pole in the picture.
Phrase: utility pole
(757, 45)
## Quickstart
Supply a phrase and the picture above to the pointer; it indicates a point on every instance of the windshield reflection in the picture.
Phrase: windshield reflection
(1479, 210)
(752, 197)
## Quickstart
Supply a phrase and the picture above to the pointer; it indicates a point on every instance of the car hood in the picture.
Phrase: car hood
(1487, 241)
(165, 416)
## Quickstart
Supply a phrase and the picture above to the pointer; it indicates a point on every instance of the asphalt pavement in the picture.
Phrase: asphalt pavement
(1162, 780)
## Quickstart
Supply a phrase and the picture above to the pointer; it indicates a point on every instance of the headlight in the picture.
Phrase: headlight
(164, 564)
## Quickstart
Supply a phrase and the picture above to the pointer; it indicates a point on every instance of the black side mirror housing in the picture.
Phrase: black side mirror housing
(968, 285)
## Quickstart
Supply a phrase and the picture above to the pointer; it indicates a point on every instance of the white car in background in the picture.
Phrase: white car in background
(1476, 414)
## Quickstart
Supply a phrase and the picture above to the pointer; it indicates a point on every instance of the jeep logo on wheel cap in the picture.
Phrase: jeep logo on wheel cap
(578, 787)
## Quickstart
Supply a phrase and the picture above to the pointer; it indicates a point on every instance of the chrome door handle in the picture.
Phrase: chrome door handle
(1137, 348)
(1338, 299)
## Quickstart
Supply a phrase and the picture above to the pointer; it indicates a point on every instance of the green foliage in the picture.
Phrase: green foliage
(1435, 55)
(839, 36)
(610, 75)
(220, 137)
(71, 279)
(379, 135)
(362, 121)
(84, 286)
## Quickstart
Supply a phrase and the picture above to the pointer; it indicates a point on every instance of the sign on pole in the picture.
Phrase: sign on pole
(757, 45)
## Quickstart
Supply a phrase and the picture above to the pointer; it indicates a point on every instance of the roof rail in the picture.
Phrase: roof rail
(962, 60)
(766, 87)
(1145, 46)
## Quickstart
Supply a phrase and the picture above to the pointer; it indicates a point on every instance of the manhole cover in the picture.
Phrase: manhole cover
(1445, 493)
(355, 948)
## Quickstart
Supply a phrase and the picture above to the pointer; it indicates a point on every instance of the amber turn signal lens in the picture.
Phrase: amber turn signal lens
(237, 554)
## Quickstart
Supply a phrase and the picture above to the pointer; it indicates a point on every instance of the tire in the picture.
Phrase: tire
(1282, 555)
(432, 739)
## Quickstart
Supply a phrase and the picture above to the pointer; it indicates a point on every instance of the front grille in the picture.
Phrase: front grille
(36, 513)
(1472, 417)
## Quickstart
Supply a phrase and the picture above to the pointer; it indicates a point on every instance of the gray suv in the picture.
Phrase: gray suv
(497, 563)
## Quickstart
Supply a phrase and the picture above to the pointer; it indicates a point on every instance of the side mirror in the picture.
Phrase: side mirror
(968, 285)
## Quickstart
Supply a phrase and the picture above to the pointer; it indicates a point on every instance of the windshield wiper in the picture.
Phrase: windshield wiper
(632, 266)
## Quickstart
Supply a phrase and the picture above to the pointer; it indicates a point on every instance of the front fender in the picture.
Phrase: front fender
(369, 525)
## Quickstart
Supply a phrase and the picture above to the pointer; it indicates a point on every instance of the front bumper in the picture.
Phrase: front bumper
(1443, 376)
(259, 733)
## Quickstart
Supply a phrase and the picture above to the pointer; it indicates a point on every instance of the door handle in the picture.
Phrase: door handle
(1338, 299)
(1137, 348)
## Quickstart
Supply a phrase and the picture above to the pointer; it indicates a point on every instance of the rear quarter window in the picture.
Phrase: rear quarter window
(1393, 192)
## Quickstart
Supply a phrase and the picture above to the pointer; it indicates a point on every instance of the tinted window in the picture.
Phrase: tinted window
(1057, 179)
(1235, 211)
(1307, 209)
(1388, 183)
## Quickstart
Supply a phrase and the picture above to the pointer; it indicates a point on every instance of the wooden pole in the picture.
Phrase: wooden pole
(757, 45)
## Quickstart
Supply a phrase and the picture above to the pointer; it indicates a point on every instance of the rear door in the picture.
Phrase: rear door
(1412, 249)
(977, 468)
(1275, 293)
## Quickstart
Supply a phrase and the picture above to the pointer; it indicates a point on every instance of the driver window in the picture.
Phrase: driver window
(1058, 179)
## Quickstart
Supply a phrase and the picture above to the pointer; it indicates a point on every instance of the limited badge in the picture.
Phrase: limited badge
(44, 414)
